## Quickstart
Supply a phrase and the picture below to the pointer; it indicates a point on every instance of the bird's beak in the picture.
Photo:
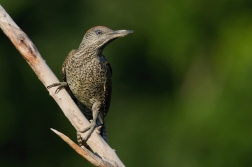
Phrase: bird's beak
(120, 33)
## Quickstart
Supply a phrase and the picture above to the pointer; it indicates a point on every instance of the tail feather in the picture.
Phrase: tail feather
(104, 133)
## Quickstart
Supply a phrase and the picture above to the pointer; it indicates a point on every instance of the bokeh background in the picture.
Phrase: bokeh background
(182, 81)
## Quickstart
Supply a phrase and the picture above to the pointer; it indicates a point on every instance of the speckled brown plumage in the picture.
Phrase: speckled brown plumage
(87, 76)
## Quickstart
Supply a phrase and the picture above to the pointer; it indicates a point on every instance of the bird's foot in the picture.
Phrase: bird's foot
(60, 86)
(98, 129)
(90, 130)
(80, 141)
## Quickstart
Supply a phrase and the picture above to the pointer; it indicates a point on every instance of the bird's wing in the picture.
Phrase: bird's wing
(110, 68)
(63, 71)
(108, 90)
(63, 74)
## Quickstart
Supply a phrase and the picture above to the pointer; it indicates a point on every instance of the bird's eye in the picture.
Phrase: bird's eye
(98, 32)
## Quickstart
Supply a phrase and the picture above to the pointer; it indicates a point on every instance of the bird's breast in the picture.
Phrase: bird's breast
(89, 79)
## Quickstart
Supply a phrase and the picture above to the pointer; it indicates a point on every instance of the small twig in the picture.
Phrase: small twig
(30, 53)
(84, 152)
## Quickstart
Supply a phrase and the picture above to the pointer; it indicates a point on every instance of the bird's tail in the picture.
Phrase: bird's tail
(104, 134)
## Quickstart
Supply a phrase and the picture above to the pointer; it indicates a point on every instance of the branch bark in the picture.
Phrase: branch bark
(107, 156)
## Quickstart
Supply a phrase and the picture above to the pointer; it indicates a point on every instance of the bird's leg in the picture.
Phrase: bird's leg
(60, 84)
(95, 110)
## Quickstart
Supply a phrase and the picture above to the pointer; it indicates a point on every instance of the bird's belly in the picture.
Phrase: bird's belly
(89, 85)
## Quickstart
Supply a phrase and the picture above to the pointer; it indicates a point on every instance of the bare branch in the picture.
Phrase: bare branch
(30, 53)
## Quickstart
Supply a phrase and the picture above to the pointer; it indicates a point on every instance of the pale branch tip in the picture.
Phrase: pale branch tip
(84, 152)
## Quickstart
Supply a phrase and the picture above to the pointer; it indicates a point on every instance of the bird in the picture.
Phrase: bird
(87, 78)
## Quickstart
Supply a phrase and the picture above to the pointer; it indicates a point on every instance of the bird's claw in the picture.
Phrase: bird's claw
(60, 85)
(91, 126)
(90, 130)
(98, 129)
(58, 89)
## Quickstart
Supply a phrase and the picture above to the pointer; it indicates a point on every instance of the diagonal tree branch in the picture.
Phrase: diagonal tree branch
(30, 53)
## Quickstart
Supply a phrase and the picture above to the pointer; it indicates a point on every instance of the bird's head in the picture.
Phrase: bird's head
(98, 37)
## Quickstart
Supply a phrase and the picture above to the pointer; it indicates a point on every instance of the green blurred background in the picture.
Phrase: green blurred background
(181, 82)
